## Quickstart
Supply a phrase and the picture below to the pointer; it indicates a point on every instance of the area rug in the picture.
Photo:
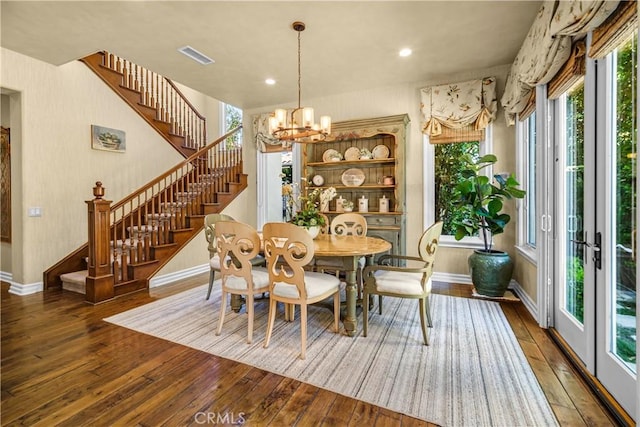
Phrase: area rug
(473, 373)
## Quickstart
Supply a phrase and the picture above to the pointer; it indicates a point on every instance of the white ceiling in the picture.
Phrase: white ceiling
(347, 46)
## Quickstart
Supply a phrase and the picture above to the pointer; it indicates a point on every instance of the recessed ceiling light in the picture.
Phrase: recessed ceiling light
(405, 52)
(270, 81)
(195, 55)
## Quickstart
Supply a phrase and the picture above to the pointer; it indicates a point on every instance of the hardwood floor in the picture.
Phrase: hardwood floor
(62, 365)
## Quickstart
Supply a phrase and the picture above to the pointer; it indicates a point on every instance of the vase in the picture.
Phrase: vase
(324, 206)
(313, 231)
(490, 272)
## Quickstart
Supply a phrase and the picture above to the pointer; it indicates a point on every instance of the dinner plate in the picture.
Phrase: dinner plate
(352, 153)
(331, 155)
(380, 152)
(352, 177)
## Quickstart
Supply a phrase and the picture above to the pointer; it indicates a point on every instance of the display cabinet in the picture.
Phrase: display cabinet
(364, 161)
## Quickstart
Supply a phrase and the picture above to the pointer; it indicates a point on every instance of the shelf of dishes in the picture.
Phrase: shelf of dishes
(343, 163)
(352, 187)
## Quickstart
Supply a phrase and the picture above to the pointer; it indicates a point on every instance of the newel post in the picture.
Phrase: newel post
(100, 284)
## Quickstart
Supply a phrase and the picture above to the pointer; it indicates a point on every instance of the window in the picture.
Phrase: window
(442, 173)
(232, 118)
(526, 159)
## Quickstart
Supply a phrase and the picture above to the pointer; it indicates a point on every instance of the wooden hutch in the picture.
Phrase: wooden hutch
(381, 176)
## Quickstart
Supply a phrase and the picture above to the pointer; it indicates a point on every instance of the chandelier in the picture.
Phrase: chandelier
(298, 124)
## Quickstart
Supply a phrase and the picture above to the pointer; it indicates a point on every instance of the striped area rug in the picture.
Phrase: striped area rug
(474, 373)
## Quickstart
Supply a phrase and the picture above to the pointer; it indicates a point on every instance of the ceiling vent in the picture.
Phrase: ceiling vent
(195, 55)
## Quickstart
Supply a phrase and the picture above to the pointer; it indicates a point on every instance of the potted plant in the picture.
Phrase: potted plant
(309, 215)
(481, 202)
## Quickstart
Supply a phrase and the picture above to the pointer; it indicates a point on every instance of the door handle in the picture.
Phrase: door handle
(595, 247)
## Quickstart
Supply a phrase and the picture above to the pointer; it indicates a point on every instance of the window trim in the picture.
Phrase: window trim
(522, 168)
(428, 190)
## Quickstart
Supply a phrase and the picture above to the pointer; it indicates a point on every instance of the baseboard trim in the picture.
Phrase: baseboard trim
(525, 298)
(178, 275)
(6, 277)
(25, 289)
(461, 279)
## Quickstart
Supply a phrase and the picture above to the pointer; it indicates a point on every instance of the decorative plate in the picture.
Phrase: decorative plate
(353, 177)
(380, 152)
(331, 155)
(352, 153)
(317, 180)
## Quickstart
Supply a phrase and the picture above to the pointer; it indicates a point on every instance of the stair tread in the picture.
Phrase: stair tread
(76, 277)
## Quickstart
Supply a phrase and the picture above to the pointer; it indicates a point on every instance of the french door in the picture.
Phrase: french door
(595, 253)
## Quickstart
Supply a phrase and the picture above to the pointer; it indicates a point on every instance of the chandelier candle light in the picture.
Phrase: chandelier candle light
(298, 126)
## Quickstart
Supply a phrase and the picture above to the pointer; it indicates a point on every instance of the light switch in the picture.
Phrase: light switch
(37, 211)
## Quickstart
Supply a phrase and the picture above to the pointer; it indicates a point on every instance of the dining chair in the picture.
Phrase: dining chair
(288, 249)
(214, 260)
(237, 244)
(346, 224)
(412, 281)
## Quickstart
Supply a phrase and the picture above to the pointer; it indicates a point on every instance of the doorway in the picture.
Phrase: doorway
(594, 251)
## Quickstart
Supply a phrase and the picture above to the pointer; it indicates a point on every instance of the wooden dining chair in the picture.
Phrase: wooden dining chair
(346, 224)
(237, 244)
(412, 281)
(214, 260)
(288, 249)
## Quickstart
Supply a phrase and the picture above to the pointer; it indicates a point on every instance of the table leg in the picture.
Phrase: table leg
(350, 320)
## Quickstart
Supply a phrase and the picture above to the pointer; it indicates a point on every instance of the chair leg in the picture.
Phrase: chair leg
(365, 313)
(303, 331)
(380, 304)
(223, 306)
(421, 307)
(336, 311)
(272, 318)
(212, 276)
(249, 318)
(428, 310)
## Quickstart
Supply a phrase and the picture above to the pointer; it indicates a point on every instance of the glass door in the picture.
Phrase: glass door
(574, 185)
(617, 213)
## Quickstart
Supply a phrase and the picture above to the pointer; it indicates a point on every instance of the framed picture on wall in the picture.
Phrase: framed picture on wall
(108, 139)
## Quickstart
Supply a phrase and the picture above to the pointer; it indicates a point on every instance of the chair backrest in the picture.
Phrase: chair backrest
(287, 248)
(349, 224)
(210, 230)
(236, 243)
(428, 245)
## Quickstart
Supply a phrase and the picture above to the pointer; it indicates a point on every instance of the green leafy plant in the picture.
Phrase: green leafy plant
(481, 201)
(308, 214)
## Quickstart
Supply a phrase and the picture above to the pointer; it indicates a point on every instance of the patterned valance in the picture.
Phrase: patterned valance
(458, 105)
(265, 143)
(548, 46)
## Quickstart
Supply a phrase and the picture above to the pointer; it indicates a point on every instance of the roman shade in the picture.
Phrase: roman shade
(547, 47)
(458, 112)
(265, 143)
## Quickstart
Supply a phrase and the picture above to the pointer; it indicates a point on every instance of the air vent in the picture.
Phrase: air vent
(195, 55)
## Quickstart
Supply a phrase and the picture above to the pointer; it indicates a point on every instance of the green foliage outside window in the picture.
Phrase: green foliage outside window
(448, 172)
(232, 119)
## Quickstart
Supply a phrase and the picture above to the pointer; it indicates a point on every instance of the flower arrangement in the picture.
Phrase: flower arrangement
(347, 205)
(308, 208)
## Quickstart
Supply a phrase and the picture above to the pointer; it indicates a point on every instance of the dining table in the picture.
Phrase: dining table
(350, 249)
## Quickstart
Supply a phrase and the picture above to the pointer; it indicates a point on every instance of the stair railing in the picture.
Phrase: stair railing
(151, 217)
(162, 94)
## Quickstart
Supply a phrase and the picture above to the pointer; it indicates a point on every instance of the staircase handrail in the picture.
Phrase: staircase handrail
(186, 161)
(184, 98)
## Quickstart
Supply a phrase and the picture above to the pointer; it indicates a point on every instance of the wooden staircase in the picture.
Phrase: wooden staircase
(133, 239)
(155, 98)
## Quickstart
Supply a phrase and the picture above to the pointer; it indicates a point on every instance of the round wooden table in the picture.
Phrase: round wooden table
(350, 248)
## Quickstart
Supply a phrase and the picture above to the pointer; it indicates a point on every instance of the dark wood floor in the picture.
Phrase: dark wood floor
(62, 364)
